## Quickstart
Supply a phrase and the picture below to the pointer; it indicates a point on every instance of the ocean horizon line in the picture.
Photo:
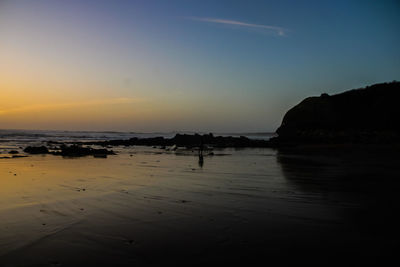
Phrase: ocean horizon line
(144, 132)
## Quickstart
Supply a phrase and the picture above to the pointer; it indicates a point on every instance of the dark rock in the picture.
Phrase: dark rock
(100, 155)
(368, 115)
(36, 150)
(130, 242)
(79, 151)
(13, 152)
(184, 140)
(53, 142)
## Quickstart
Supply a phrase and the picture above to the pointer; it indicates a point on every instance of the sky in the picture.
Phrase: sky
(209, 66)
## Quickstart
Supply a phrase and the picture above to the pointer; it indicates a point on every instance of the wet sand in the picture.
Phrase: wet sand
(146, 206)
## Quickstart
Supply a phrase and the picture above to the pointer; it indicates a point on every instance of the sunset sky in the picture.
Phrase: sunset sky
(224, 66)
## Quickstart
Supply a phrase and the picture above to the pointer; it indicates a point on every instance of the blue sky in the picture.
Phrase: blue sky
(186, 65)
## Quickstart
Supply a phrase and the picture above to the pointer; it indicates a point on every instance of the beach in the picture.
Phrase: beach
(149, 206)
(198, 133)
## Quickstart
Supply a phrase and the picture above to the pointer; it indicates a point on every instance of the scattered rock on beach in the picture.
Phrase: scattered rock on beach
(70, 151)
(85, 151)
(55, 263)
(18, 156)
(100, 155)
(79, 151)
(130, 242)
(36, 150)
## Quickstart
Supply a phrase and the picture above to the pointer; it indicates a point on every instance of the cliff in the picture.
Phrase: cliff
(366, 115)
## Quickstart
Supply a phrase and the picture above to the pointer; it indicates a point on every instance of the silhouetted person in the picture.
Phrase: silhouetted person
(201, 147)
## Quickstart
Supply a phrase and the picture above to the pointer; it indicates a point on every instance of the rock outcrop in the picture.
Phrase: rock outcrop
(36, 150)
(79, 151)
(185, 140)
(367, 115)
(70, 151)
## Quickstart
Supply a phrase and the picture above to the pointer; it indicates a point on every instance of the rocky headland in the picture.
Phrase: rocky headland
(368, 115)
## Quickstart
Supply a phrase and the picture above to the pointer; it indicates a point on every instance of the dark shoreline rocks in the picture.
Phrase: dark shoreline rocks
(70, 151)
(184, 140)
(36, 150)
(80, 149)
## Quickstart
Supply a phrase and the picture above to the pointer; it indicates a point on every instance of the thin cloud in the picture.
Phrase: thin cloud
(275, 29)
